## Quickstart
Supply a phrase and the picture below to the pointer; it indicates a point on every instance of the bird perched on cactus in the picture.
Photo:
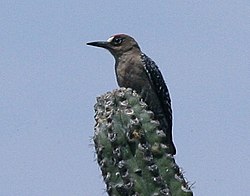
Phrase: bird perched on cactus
(137, 71)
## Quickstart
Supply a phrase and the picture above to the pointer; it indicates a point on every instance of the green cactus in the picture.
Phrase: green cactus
(131, 150)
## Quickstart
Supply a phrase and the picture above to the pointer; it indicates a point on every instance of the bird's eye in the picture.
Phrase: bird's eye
(117, 41)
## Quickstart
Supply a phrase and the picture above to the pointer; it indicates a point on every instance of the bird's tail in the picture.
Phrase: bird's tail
(172, 149)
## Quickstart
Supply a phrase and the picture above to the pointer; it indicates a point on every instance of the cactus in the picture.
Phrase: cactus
(131, 150)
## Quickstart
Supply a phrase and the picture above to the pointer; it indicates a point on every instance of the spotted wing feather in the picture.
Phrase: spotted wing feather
(160, 87)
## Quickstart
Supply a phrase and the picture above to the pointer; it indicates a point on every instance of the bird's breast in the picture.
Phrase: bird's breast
(131, 75)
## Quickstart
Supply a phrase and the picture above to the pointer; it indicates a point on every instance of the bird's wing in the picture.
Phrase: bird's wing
(159, 86)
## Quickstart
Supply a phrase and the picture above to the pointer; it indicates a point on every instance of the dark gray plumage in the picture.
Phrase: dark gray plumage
(137, 71)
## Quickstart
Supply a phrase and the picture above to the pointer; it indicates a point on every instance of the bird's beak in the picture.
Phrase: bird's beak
(102, 44)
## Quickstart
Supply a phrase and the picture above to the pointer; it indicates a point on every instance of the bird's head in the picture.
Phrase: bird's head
(117, 44)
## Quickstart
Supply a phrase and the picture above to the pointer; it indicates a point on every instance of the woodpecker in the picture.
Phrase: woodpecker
(136, 70)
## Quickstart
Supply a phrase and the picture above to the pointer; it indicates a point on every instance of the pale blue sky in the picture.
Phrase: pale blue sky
(50, 79)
